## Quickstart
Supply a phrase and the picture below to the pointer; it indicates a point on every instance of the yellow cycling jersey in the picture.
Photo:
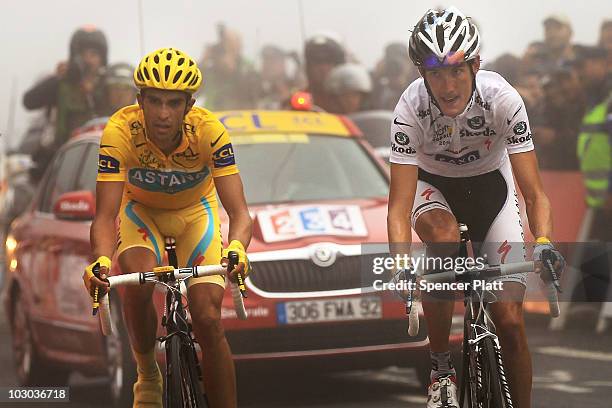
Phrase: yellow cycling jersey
(159, 181)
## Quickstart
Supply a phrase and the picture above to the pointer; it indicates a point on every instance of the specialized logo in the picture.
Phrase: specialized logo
(401, 138)
(485, 132)
(199, 259)
(503, 250)
(508, 121)
(224, 156)
(397, 122)
(476, 122)
(107, 164)
(465, 159)
(512, 140)
(169, 182)
(404, 150)
(144, 232)
(488, 144)
(427, 193)
(520, 128)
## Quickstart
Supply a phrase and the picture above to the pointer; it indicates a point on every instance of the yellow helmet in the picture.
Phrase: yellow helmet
(168, 68)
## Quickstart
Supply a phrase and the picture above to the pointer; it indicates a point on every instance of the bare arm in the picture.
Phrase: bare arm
(231, 194)
(103, 233)
(539, 212)
(401, 199)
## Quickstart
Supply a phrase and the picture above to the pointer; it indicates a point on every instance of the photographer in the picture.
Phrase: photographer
(74, 94)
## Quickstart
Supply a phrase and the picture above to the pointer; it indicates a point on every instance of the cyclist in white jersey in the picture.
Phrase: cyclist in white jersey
(457, 136)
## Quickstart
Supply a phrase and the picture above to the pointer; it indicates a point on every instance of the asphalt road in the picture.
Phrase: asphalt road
(571, 369)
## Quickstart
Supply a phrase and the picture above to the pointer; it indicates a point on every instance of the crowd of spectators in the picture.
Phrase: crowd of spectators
(558, 80)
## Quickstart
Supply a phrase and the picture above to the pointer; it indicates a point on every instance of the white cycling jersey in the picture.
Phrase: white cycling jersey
(493, 125)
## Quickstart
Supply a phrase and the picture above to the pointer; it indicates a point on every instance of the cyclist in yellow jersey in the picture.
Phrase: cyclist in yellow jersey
(162, 163)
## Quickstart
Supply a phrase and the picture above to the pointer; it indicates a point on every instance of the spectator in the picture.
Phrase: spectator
(322, 52)
(605, 42)
(119, 87)
(557, 36)
(230, 82)
(275, 82)
(591, 66)
(556, 136)
(595, 156)
(351, 86)
(391, 76)
(508, 66)
(75, 93)
(75, 88)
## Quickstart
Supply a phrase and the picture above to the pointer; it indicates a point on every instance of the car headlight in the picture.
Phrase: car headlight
(10, 244)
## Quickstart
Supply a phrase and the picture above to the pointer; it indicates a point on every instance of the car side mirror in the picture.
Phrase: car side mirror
(75, 206)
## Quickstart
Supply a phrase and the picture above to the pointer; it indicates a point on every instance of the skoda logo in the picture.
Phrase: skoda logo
(476, 122)
(401, 138)
(520, 128)
(323, 255)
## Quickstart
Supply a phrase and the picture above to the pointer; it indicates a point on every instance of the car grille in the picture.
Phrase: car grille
(335, 335)
(300, 275)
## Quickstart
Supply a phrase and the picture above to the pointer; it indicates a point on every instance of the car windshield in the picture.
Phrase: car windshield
(298, 167)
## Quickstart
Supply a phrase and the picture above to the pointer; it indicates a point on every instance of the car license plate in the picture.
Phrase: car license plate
(329, 310)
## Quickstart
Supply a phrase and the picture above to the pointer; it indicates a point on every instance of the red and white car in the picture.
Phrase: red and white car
(317, 194)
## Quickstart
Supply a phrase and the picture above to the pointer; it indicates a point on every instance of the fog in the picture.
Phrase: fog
(35, 34)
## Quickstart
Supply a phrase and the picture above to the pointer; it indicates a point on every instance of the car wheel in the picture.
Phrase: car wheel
(30, 368)
(121, 365)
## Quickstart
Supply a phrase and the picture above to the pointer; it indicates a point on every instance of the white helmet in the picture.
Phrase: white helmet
(443, 38)
(348, 77)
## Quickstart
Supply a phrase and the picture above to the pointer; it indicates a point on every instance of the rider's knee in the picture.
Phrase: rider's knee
(437, 226)
(511, 331)
(208, 324)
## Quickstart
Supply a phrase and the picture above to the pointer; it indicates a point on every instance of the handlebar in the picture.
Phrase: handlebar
(492, 271)
(168, 273)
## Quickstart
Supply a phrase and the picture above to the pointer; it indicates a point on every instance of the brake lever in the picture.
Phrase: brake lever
(232, 262)
(547, 259)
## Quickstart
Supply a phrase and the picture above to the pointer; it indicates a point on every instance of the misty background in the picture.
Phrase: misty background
(35, 34)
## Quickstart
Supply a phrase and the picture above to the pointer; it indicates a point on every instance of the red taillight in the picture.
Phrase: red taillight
(301, 101)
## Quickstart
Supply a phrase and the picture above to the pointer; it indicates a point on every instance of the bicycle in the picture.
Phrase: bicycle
(183, 382)
(483, 378)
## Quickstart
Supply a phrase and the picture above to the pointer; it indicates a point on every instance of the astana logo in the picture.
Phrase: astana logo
(169, 182)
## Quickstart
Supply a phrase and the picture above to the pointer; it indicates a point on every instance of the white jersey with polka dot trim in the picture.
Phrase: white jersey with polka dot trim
(477, 141)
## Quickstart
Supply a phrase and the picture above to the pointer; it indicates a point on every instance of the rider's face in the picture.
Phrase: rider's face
(452, 86)
(164, 111)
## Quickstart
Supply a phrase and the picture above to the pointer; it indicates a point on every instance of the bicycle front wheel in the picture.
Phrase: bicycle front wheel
(495, 392)
(183, 387)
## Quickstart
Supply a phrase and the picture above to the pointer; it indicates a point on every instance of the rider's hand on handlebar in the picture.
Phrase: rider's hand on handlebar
(550, 263)
(92, 282)
(243, 267)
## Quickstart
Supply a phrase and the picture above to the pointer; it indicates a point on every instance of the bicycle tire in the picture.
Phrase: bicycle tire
(496, 397)
(183, 389)
(174, 387)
